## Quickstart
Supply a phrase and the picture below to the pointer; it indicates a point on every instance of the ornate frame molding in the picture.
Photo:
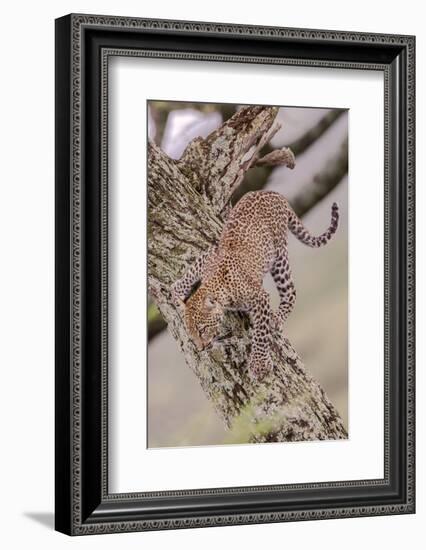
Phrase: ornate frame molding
(79, 498)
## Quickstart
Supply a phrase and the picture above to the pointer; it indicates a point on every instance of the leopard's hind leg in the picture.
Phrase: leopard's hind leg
(283, 279)
(259, 361)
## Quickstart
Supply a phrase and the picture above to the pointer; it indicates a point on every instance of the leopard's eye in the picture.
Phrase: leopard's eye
(203, 330)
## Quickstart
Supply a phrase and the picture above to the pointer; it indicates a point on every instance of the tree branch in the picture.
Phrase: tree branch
(214, 165)
(309, 137)
(257, 177)
(324, 182)
(185, 202)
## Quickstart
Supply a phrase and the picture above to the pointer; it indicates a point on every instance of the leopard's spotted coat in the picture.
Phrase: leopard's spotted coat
(253, 242)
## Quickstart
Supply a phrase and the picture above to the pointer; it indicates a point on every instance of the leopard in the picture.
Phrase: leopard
(230, 274)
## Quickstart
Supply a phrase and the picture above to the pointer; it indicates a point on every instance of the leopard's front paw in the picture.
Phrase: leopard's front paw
(177, 297)
(259, 366)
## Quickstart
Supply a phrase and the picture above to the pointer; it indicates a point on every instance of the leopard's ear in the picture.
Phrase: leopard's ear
(210, 302)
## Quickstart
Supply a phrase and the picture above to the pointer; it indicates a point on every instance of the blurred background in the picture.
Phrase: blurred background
(318, 325)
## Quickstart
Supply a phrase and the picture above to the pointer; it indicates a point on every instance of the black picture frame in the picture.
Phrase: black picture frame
(83, 504)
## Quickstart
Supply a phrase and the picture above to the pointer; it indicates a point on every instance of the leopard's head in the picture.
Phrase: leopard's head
(203, 314)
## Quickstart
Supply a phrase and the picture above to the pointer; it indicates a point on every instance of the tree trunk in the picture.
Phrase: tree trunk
(187, 203)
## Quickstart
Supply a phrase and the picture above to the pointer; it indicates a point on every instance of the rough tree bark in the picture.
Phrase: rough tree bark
(187, 203)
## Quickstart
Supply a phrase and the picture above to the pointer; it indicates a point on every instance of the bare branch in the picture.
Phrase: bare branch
(278, 157)
(324, 182)
(309, 137)
(258, 176)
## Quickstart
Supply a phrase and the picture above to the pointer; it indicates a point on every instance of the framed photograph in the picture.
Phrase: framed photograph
(234, 274)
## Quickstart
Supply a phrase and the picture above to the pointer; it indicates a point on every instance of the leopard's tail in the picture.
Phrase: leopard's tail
(300, 231)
